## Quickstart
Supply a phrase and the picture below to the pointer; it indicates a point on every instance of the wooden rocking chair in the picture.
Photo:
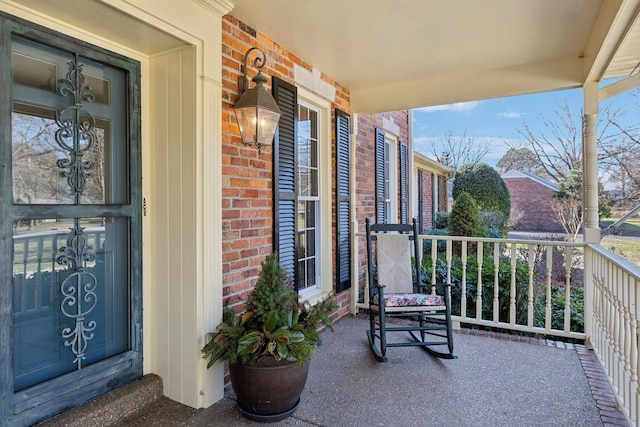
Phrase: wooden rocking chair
(396, 290)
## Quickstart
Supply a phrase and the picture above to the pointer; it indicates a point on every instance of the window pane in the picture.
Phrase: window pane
(313, 182)
(311, 242)
(313, 118)
(70, 295)
(311, 274)
(305, 182)
(63, 132)
(311, 213)
(302, 274)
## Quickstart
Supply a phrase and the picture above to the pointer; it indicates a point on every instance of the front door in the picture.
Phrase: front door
(70, 223)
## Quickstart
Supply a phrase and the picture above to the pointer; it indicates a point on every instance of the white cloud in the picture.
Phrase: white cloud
(509, 115)
(459, 107)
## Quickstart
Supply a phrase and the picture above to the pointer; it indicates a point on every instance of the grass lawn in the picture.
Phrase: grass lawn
(630, 228)
(627, 248)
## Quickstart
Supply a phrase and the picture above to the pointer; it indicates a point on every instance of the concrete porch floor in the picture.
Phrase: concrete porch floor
(494, 382)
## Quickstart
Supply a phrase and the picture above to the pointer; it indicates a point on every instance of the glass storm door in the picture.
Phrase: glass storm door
(70, 236)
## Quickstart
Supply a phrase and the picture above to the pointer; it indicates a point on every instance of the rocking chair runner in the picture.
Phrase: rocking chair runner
(396, 290)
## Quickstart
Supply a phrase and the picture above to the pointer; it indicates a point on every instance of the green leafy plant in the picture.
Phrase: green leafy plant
(488, 274)
(557, 300)
(274, 323)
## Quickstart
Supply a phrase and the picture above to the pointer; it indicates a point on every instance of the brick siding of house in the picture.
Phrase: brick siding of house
(247, 177)
(534, 200)
(365, 171)
(427, 201)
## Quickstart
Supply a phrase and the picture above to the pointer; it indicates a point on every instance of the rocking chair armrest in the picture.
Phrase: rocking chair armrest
(379, 289)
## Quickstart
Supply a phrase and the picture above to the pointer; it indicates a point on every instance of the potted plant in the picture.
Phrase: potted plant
(269, 345)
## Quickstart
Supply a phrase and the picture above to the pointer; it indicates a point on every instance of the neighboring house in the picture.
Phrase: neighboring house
(139, 213)
(532, 195)
(431, 180)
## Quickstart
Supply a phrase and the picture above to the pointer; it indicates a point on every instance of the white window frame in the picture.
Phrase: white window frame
(324, 275)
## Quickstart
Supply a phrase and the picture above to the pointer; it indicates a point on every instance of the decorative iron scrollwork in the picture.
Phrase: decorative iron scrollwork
(76, 136)
(78, 291)
(76, 130)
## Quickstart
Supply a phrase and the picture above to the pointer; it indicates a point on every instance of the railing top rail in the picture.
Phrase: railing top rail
(495, 240)
(622, 263)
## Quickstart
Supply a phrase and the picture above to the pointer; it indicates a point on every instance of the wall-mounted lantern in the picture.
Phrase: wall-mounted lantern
(256, 110)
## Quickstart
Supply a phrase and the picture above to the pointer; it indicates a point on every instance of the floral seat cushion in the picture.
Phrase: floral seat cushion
(411, 300)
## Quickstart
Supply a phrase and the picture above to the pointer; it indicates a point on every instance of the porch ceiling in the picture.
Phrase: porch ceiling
(397, 54)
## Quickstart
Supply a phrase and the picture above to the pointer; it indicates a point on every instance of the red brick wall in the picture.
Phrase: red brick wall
(427, 200)
(534, 199)
(365, 170)
(247, 195)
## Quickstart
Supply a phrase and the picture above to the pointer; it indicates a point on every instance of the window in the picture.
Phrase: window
(386, 177)
(308, 201)
(302, 190)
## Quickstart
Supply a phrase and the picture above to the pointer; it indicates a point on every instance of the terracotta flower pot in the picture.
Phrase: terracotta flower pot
(268, 390)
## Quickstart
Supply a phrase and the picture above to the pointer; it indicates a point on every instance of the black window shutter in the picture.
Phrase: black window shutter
(420, 201)
(343, 202)
(284, 179)
(380, 176)
(404, 182)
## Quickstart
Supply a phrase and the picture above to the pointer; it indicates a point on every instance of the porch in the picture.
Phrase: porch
(576, 291)
(496, 381)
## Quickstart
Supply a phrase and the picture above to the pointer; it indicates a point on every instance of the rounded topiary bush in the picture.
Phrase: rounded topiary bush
(465, 217)
(486, 187)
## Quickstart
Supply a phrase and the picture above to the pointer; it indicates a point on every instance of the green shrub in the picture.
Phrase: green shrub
(504, 282)
(441, 244)
(486, 187)
(557, 308)
(441, 221)
(465, 219)
(492, 223)
(488, 274)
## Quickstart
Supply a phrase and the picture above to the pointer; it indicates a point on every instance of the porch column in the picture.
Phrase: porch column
(355, 249)
(590, 199)
(590, 164)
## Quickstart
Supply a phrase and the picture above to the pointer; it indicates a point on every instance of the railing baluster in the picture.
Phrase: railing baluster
(547, 316)
(568, 252)
(634, 403)
(448, 254)
(479, 284)
(37, 300)
(496, 282)
(434, 259)
(512, 292)
(626, 340)
(463, 302)
(23, 289)
(531, 266)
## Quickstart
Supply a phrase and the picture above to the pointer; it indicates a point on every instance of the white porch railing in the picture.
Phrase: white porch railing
(616, 305)
(34, 259)
(512, 284)
(553, 288)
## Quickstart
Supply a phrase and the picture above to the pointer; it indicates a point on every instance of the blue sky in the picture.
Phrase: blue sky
(497, 120)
